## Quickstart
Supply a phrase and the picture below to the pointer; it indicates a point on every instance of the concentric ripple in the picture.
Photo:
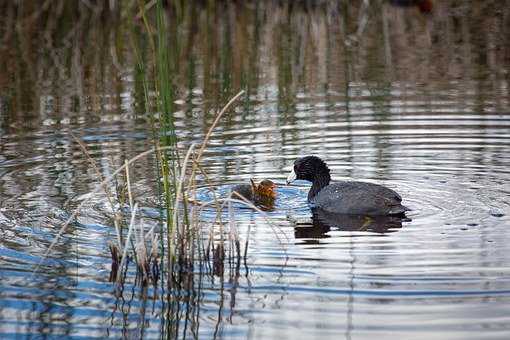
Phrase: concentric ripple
(416, 101)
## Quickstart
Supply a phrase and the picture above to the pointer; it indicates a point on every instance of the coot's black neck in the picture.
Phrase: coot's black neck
(319, 181)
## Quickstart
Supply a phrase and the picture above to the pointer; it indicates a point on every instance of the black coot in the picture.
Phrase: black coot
(344, 197)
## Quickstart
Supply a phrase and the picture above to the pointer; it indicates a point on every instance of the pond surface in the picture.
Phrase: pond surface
(419, 102)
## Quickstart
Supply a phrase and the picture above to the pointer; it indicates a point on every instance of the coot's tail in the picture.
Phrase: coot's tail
(398, 210)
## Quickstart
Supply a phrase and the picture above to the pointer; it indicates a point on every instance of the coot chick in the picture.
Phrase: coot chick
(261, 193)
(345, 197)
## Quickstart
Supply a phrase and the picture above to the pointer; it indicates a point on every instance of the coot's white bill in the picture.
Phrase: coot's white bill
(292, 177)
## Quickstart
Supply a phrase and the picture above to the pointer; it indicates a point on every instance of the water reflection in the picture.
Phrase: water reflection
(322, 222)
(383, 92)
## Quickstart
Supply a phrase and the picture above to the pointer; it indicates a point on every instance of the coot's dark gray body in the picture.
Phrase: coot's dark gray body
(355, 198)
(358, 198)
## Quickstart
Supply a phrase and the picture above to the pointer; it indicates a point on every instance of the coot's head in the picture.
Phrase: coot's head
(308, 168)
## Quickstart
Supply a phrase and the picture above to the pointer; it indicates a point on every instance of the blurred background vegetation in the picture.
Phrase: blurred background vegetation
(82, 53)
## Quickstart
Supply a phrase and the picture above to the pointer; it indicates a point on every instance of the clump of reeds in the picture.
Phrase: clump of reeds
(182, 244)
(183, 230)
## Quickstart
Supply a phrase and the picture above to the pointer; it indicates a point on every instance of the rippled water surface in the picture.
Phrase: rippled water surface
(417, 101)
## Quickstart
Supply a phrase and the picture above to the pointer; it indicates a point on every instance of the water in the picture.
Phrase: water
(417, 102)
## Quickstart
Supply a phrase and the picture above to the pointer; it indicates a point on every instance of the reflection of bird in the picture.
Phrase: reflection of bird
(425, 6)
(322, 222)
(378, 224)
(263, 193)
(345, 197)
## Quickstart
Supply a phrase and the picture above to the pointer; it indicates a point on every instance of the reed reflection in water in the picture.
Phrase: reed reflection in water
(388, 94)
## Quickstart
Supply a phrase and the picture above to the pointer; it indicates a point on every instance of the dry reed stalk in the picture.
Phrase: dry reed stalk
(128, 238)
(128, 183)
(180, 184)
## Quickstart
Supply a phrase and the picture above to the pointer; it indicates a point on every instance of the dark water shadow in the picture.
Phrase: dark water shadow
(321, 222)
